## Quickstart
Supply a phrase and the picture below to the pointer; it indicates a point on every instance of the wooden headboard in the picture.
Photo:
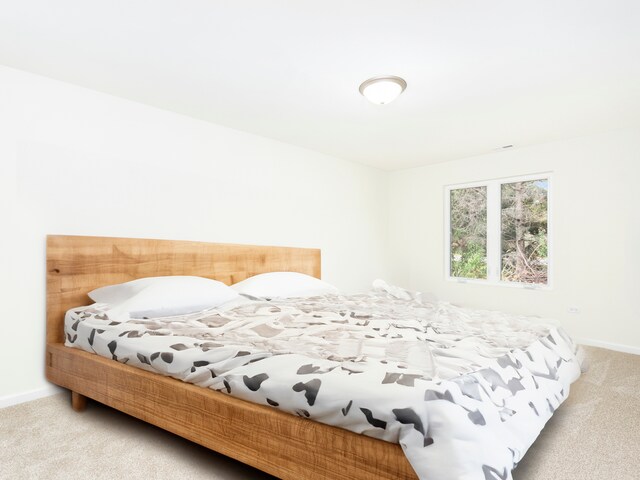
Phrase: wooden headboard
(76, 265)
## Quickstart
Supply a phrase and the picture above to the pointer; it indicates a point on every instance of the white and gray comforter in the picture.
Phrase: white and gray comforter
(464, 392)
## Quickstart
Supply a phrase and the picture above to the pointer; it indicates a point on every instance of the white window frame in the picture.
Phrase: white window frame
(494, 241)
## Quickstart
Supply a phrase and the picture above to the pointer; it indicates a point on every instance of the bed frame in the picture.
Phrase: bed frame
(289, 447)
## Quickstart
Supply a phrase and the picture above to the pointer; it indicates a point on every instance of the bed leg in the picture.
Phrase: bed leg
(78, 402)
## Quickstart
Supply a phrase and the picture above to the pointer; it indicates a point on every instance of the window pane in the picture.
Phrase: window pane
(468, 248)
(524, 231)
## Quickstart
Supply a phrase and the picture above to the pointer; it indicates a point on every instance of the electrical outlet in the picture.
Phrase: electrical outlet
(574, 310)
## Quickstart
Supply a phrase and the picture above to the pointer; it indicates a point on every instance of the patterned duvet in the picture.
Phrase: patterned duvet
(464, 392)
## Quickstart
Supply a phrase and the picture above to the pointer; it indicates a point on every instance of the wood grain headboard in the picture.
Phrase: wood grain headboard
(76, 265)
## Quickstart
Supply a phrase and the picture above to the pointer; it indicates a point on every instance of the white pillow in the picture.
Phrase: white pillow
(283, 285)
(163, 296)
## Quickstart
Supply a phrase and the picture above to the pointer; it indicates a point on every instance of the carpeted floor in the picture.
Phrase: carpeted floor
(594, 435)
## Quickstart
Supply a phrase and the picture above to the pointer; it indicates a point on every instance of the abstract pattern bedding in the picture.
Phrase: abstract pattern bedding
(464, 392)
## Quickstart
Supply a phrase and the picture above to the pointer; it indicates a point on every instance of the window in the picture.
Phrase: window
(468, 218)
(497, 231)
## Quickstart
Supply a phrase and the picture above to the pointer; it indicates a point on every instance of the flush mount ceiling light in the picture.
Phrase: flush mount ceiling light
(381, 90)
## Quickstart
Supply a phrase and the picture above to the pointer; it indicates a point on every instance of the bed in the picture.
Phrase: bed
(283, 445)
(465, 392)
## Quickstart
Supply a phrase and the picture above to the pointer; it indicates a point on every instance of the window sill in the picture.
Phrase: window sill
(491, 283)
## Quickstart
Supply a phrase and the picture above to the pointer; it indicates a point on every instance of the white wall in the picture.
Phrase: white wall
(75, 161)
(596, 239)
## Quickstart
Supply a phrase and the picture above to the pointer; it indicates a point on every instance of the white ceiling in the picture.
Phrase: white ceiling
(480, 74)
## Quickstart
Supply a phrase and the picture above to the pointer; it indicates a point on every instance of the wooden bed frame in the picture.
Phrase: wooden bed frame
(278, 443)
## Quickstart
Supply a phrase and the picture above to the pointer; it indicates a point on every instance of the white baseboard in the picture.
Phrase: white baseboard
(15, 399)
(609, 346)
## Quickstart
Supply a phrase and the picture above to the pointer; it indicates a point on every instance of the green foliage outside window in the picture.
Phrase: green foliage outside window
(469, 232)
(524, 231)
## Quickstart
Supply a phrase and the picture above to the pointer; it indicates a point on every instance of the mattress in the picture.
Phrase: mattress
(464, 392)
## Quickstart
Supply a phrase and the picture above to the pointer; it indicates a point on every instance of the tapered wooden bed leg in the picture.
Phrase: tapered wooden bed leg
(78, 402)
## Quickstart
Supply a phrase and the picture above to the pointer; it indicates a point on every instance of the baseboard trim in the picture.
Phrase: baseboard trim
(17, 398)
(609, 346)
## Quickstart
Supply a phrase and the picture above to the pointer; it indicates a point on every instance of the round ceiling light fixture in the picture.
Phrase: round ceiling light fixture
(381, 90)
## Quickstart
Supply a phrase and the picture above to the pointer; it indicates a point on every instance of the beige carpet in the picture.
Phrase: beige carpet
(594, 435)
(45, 439)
